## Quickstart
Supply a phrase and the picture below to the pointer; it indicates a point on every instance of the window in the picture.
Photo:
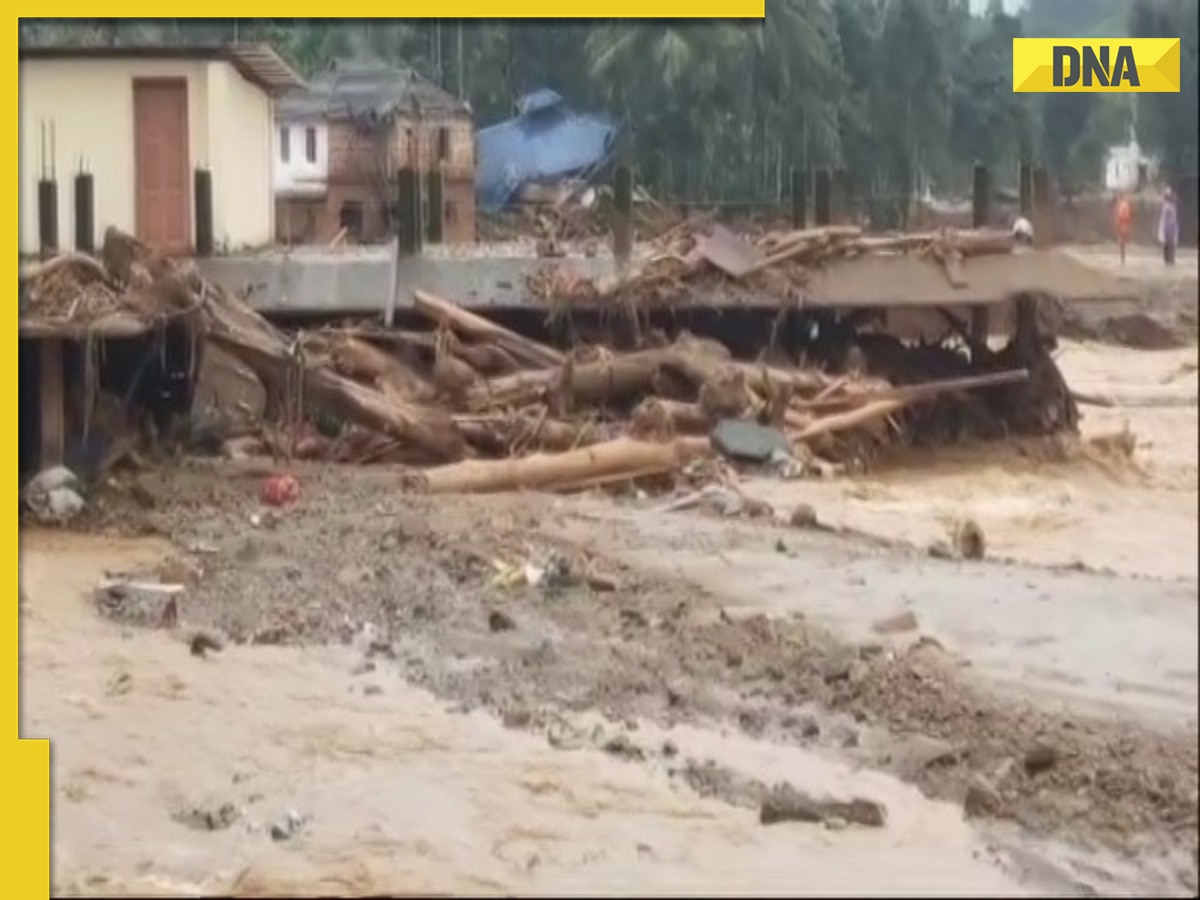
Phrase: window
(285, 144)
(449, 212)
(443, 145)
(310, 144)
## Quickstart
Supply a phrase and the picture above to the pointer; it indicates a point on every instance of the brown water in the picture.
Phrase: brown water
(400, 794)
(1133, 517)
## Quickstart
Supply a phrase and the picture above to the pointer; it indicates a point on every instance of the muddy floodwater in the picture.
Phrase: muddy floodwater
(402, 795)
(392, 710)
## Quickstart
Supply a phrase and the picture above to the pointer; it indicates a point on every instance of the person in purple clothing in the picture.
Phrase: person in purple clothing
(1168, 227)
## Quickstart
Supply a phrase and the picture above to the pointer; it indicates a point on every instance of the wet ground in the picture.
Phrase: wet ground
(705, 661)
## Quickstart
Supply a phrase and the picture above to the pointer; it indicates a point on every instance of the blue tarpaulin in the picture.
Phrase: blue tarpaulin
(546, 141)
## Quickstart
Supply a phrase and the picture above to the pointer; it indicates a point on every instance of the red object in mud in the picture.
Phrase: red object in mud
(279, 490)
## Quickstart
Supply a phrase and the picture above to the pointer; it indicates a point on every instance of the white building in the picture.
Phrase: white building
(302, 156)
(142, 120)
(1127, 168)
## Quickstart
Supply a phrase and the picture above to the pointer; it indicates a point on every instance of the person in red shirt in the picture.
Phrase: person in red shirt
(1124, 223)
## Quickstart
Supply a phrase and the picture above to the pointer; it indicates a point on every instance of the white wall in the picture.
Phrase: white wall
(1121, 167)
(90, 102)
(299, 175)
(241, 148)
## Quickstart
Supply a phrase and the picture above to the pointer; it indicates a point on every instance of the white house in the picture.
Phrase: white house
(142, 121)
(301, 156)
(1127, 168)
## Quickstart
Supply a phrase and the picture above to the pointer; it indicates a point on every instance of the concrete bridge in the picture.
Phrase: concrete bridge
(358, 280)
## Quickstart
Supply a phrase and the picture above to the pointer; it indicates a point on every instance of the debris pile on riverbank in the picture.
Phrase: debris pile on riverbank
(473, 405)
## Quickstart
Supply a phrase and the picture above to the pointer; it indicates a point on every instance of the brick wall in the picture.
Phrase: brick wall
(459, 213)
(446, 141)
(358, 159)
(356, 154)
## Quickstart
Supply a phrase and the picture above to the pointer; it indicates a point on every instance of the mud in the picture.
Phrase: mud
(284, 770)
(735, 627)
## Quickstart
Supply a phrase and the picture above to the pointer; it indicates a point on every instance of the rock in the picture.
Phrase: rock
(201, 642)
(500, 621)
(620, 745)
(969, 540)
(982, 799)
(748, 441)
(63, 504)
(785, 803)
(177, 570)
(208, 818)
(142, 603)
(669, 750)
(803, 516)
(867, 652)
(1040, 757)
(363, 668)
(921, 752)
(897, 624)
(940, 550)
(372, 690)
(51, 480)
(516, 718)
(837, 668)
(288, 826)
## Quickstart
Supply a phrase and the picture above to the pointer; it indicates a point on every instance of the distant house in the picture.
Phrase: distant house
(1127, 167)
(544, 143)
(340, 142)
(142, 120)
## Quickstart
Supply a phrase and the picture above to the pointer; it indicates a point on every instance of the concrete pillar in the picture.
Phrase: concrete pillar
(47, 217)
(821, 199)
(1025, 189)
(799, 186)
(408, 211)
(85, 213)
(202, 190)
(435, 191)
(981, 197)
(1043, 215)
(839, 197)
(623, 215)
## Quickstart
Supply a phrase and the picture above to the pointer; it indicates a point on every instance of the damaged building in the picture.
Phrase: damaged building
(340, 142)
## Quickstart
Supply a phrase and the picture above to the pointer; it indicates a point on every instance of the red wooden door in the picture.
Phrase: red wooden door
(160, 159)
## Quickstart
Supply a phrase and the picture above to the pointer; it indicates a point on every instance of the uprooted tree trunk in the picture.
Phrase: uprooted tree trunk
(235, 327)
(254, 341)
(613, 460)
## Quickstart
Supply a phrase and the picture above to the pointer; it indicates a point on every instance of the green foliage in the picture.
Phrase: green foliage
(902, 93)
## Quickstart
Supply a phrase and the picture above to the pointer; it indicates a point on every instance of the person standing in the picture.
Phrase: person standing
(1124, 223)
(1168, 227)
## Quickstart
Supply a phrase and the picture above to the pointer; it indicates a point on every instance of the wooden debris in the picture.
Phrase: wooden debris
(492, 410)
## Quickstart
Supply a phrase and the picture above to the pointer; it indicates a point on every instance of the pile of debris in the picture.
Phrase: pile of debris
(474, 406)
(694, 255)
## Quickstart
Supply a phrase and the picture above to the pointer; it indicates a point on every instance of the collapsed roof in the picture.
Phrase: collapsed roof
(545, 141)
(355, 89)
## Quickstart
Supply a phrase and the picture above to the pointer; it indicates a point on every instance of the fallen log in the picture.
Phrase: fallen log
(851, 419)
(364, 362)
(458, 319)
(262, 348)
(612, 459)
(661, 417)
(596, 383)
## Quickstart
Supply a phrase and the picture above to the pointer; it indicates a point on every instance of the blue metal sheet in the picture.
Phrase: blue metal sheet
(546, 141)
